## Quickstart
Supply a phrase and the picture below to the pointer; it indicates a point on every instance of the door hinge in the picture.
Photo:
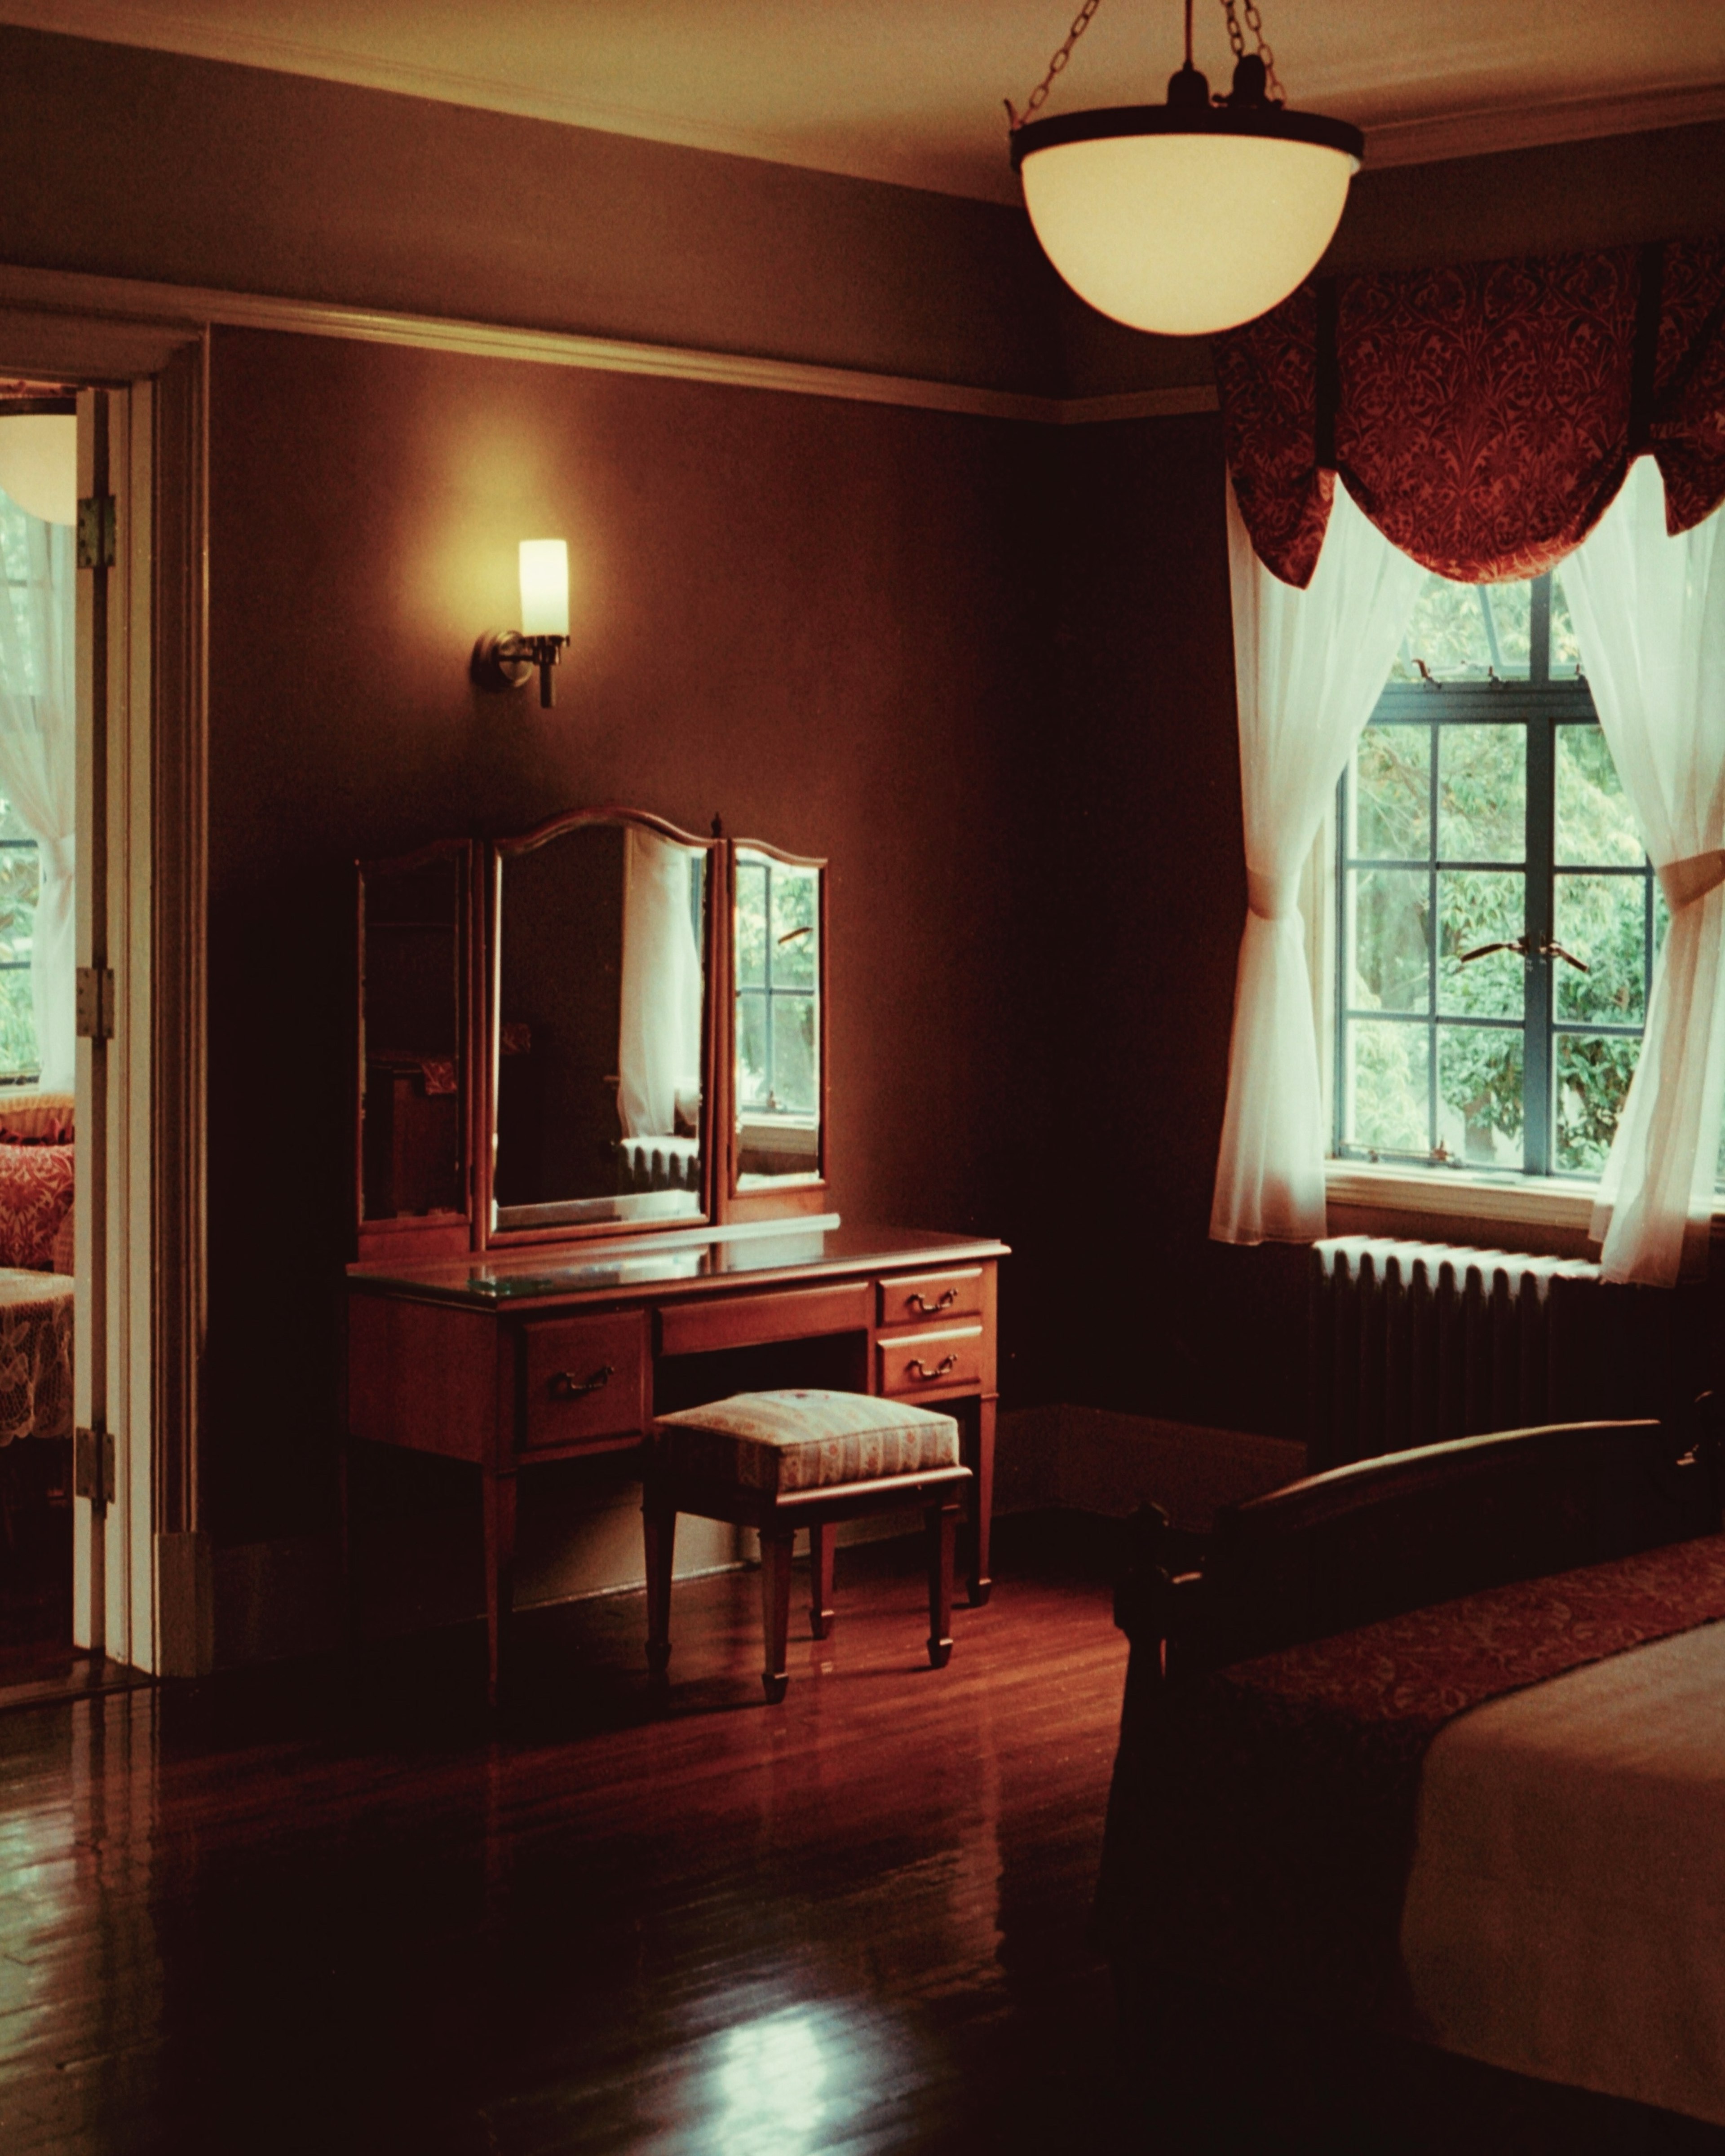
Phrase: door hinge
(98, 531)
(95, 1002)
(93, 1467)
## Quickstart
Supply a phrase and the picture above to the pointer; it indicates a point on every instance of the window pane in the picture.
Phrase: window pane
(1509, 608)
(1391, 794)
(1477, 906)
(1479, 1094)
(751, 1050)
(1461, 631)
(795, 895)
(1594, 827)
(1592, 1074)
(1448, 632)
(794, 1053)
(18, 1052)
(1565, 652)
(1482, 792)
(1603, 921)
(751, 923)
(1387, 939)
(1385, 1099)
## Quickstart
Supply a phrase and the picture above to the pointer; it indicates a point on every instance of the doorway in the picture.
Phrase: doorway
(104, 1576)
(39, 830)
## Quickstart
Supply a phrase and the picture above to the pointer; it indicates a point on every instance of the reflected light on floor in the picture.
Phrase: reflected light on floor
(771, 2077)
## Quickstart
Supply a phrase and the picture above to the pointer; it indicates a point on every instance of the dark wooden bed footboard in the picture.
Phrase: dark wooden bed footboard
(1204, 1911)
(1370, 1540)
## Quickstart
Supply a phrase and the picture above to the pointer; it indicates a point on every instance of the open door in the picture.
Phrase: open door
(113, 1571)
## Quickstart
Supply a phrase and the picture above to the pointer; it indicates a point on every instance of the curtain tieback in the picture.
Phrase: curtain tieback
(1277, 898)
(1683, 882)
(56, 857)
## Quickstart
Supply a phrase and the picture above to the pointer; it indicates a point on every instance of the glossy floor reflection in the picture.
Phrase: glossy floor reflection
(323, 1911)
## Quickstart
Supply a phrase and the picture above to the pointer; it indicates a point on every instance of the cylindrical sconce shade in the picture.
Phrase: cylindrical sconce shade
(545, 587)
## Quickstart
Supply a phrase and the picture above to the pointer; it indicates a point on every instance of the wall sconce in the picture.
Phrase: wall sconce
(505, 657)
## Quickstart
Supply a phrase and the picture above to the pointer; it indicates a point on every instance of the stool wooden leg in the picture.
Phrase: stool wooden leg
(941, 1523)
(820, 1579)
(659, 1526)
(776, 1608)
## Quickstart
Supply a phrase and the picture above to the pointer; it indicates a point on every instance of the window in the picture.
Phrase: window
(19, 1057)
(1496, 916)
(19, 868)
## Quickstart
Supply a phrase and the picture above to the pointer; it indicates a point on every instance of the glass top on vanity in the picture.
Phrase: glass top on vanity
(489, 1280)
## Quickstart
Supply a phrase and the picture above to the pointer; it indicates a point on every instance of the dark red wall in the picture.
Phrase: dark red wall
(822, 620)
(1154, 893)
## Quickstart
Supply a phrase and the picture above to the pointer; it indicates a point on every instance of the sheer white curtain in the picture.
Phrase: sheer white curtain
(1649, 617)
(39, 762)
(658, 1043)
(1308, 667)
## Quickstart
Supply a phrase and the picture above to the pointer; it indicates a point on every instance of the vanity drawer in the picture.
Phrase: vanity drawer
(909, 1298)
(752, 1321)
(584, 1378)
(921, 1362)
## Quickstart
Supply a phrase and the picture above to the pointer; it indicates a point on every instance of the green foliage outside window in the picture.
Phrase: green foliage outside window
(1458, 838)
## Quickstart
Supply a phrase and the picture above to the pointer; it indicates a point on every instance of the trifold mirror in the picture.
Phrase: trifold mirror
(623, 1030)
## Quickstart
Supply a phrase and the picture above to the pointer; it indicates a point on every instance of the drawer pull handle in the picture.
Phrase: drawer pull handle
(565, 1385)
(916, 1367)
(924, 1308)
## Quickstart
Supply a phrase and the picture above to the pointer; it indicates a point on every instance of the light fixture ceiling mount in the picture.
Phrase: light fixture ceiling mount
(1192, 216)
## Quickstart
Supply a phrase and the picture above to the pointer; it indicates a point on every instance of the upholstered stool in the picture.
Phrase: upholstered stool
(779, 1461)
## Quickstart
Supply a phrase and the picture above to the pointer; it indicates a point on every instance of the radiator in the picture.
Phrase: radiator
(1411, 1343)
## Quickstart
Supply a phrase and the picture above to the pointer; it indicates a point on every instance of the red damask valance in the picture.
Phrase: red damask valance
(1482, 416)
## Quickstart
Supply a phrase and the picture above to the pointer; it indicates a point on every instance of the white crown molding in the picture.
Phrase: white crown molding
(1443, 136)
(137, 308)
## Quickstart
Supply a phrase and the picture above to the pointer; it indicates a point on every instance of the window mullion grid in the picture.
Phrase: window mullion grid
(1538, 899)
(1431, 941)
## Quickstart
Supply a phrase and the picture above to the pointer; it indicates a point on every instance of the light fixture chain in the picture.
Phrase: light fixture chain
(1039, 96)
(1236, 40)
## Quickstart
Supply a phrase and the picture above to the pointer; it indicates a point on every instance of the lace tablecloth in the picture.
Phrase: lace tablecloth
(35, 1355)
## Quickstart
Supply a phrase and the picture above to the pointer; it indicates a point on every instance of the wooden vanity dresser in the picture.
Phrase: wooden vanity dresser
(513, 1357)
(591, 1169)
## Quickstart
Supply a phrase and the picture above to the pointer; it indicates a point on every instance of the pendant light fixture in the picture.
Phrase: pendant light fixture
(1192, 216)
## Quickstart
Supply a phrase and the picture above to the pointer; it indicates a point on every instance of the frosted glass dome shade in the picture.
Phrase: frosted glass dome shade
(1185, 231)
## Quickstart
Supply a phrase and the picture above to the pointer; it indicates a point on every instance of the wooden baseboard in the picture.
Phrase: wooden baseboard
(1096, 1460)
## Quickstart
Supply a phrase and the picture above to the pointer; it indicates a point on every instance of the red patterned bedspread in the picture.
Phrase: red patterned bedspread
(1261, 1824)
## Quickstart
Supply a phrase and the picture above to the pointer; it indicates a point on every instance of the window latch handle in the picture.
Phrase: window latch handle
(1544, 948)
(1485, 950)
(1552, 950)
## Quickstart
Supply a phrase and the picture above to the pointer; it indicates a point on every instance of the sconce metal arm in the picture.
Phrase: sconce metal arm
(505, 658)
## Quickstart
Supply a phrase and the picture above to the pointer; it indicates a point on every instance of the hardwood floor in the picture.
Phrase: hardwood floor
(300, 1910)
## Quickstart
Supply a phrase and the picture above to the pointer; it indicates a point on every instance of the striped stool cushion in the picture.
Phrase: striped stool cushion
(776, 1442)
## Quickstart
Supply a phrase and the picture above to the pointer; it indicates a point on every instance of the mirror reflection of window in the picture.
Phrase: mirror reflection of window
(778, 962)
(659, 1034)
(599, 1022)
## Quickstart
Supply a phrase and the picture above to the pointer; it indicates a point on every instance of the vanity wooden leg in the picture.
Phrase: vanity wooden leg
(500, 1577)
(820, 1580)
(981, 1464)
(776, 1608)
(659, 1525)
(940, 1525)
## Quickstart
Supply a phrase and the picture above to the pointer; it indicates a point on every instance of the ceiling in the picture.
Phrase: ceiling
(910, 90)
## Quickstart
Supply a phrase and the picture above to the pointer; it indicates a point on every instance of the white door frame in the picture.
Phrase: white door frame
(140, 1564)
